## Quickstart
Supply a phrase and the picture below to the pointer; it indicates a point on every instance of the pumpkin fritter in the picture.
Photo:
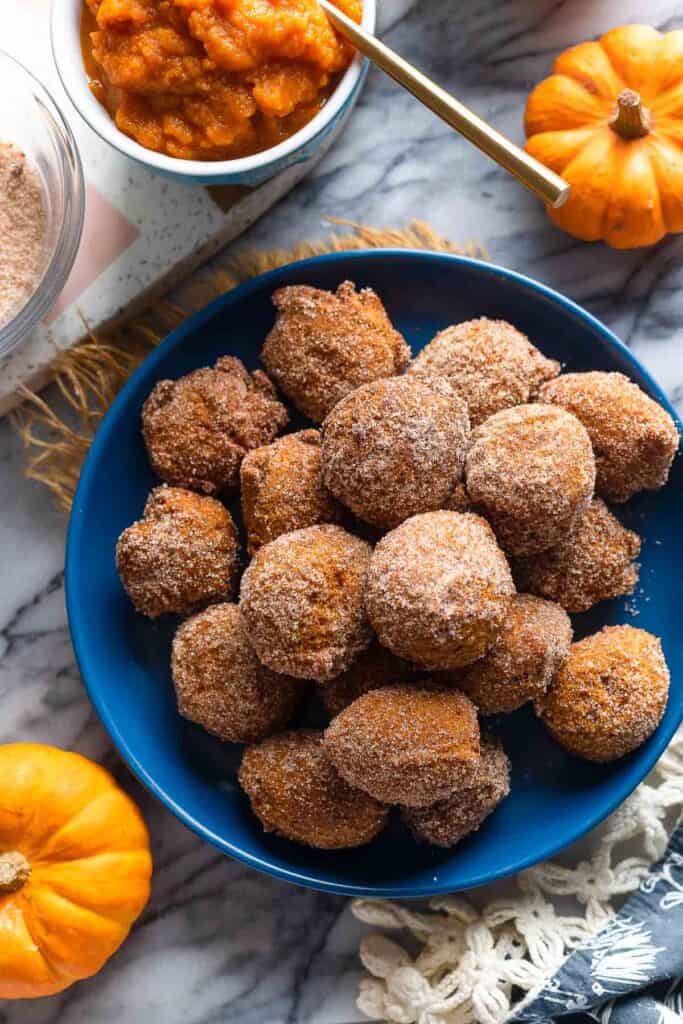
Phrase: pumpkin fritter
(488, 363)
(302, 598)
(634, 439)
(182, 555)
(326, 344)
(531, 646)
(610, 694)
(295, 791)
(221, 685)
(404, 744)
(530, 470)
(439, 589)
(394, 448)
(593, 563)
(283, 490)
(198, 428)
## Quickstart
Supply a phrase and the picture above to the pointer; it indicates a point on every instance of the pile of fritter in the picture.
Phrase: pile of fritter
(415, 554)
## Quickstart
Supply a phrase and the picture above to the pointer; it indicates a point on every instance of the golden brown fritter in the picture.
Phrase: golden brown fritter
(530, 470)
(198, 428)
(326, 344)
(295, 791)
(439, 589)
(374, 668)
(282, 489)
(593, 563)
(302, 598)
(394, 448)
(405, 744)
(182, 555)
(531, 647)
(447, 822)
(634, 439)
(220, 683)
(610, 694)
(489, 363)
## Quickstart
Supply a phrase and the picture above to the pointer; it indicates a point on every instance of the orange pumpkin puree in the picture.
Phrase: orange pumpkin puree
(212, 79)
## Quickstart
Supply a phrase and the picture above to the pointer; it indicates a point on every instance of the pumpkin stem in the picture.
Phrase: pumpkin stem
(14, 872)
(631, 120)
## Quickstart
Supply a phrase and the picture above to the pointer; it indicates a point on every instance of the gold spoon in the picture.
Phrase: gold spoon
(551, 188)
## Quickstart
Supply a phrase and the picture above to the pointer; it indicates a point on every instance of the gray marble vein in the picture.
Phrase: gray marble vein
(219, 943)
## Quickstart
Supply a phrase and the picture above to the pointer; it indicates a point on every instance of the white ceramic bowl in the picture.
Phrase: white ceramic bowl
(248, 170)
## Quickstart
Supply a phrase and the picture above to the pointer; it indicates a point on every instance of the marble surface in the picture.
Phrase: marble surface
(218, 942)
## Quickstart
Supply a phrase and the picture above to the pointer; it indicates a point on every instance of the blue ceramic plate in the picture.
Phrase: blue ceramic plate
(125, 660)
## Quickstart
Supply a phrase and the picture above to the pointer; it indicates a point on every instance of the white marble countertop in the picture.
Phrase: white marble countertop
(218, 942)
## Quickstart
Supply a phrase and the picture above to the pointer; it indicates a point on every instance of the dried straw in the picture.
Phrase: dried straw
(57, 431)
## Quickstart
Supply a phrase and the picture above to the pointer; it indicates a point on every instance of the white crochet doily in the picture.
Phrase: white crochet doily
(461, 960)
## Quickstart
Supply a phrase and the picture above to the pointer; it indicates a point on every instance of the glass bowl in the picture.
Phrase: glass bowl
(31, 120)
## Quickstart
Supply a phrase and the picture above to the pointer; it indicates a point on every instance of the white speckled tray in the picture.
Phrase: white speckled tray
(142, 233)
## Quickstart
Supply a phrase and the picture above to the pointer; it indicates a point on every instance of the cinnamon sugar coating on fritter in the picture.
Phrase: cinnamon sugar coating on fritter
(447, 822)
(634, 439)
(394, 448)
(282, 489)
(439, 589)
(593, 563)
(610, 694)
(303, 602)
(295, 791)
(531, 647)
(198, 428)
(326, 344)
(374, 668)
(405, 744)
(530, 470)
(489, 363)
(220, 683)
(182, 555)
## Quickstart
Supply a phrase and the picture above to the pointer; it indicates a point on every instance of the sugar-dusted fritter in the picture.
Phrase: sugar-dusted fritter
(610, 694)
(634, 439)
(198, 428)
(221, 685)
(594, 562)
(302, 598)
(326, 344)
(395, 447)
(489, 363)
(295, 791)
(374, 668)
(405, 744)
(439, 589)
(182, 555)
(282, 489)
(531, 646)
(530, 470)
(447, 822)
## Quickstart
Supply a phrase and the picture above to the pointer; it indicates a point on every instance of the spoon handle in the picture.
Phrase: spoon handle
(550, 187)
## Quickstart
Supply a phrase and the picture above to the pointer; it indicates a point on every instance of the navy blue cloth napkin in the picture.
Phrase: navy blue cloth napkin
(632, 971)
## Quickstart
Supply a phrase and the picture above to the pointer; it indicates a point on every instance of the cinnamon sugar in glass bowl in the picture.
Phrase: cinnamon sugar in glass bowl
(32, 123)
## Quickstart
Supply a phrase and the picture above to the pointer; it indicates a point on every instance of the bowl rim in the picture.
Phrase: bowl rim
(61, 259)
(632, 775)
(66, 52)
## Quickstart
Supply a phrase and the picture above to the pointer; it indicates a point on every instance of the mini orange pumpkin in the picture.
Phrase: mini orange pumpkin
(75, 869)
(610, 121)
